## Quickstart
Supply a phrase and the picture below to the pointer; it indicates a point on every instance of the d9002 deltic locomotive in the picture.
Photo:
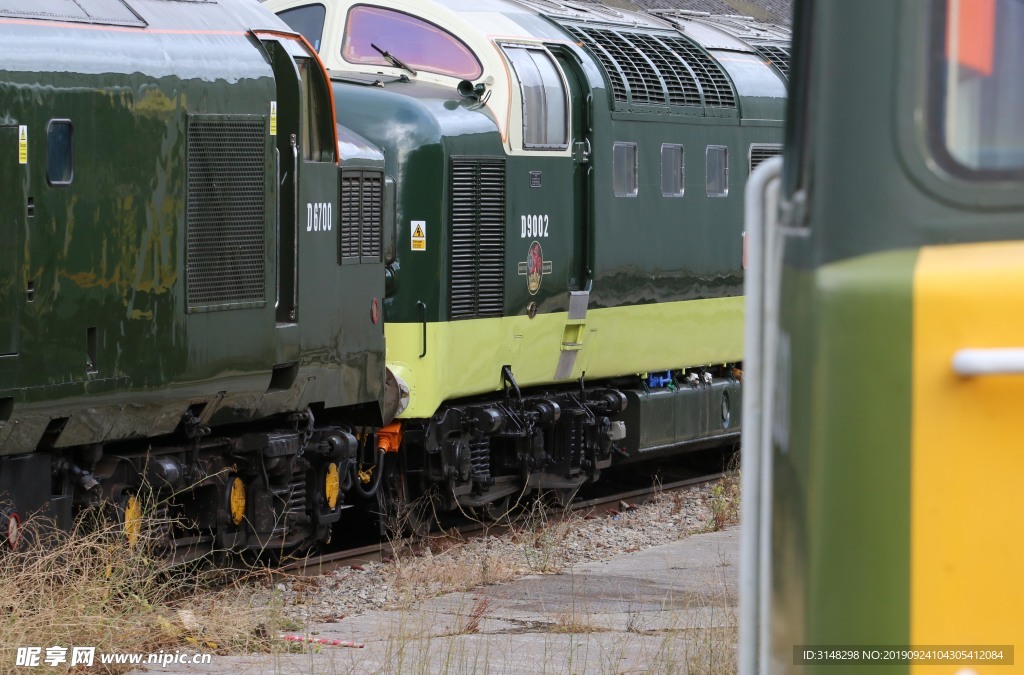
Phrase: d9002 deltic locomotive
(565, 253)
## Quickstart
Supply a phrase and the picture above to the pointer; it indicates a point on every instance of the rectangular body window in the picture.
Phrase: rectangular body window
(624, 169)
(545, 101)
(673, 170)
(718, 171)
(59, 155)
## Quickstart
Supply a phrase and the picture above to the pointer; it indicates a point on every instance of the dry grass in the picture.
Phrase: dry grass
(574, 623)
(725, 498)
(89, 588)
(543, 537)
(471, 622)
(457, 565)
(445, 562)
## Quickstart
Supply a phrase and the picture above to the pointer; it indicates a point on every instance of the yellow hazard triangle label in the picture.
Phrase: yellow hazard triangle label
(23, 144)
(419, 235)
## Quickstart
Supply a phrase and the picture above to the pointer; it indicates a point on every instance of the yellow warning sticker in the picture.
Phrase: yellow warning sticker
(273, 118)
(23, 144)
(419, 235)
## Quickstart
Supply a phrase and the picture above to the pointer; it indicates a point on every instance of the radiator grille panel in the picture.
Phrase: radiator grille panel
(351, 189)
(225, 212)
(362, 215)
(373, 217)
(760, 152)
(478, 238)
(649, 69)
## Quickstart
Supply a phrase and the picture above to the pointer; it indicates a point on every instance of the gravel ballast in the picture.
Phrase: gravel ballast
(537, 543)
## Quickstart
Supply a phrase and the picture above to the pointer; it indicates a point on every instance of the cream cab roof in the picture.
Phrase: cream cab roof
(482, 25)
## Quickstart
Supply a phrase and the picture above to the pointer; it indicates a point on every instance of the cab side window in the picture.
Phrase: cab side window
(976, 125)
(545, 101)
(369, 31)
(307, 21)
(316, 138)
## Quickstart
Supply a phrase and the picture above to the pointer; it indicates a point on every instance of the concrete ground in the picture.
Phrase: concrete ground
(666, 609)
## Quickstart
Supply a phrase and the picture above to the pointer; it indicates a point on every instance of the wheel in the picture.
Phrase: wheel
(404, 514)
(562, 497)
(495, 510)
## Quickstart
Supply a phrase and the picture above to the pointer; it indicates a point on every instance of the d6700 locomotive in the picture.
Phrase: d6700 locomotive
(172, 332)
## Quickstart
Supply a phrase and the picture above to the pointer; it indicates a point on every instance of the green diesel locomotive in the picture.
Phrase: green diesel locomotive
(174, 335)
(565, 246)
(881, 452)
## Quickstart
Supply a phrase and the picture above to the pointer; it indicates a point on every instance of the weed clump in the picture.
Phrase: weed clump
(92, 587)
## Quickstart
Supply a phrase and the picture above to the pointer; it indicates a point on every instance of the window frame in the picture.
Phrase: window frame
(937, 100)
(70, 151)
(635, 173)
(707, 171)
(682, 170)
(323, 23)
(911, 123)
(419, 67)
(567, 102)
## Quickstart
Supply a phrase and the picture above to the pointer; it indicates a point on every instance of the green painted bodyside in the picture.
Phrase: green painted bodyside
(647, 250)
(659, 249)
(419, 127)
(107, 252)
(841, 517)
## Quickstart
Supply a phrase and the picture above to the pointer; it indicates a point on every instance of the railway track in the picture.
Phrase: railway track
(327, 562)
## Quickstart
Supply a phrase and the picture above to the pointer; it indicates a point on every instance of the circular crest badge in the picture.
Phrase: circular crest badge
(534, 268)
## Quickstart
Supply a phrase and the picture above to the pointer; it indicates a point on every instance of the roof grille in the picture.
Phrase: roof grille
(651, 69)
(362, 215)
(777, 56)
(715, 84)
(679, 78)
(225, 212)
(616, 77)
(762, 151)
(641, 77)
(478, 237)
